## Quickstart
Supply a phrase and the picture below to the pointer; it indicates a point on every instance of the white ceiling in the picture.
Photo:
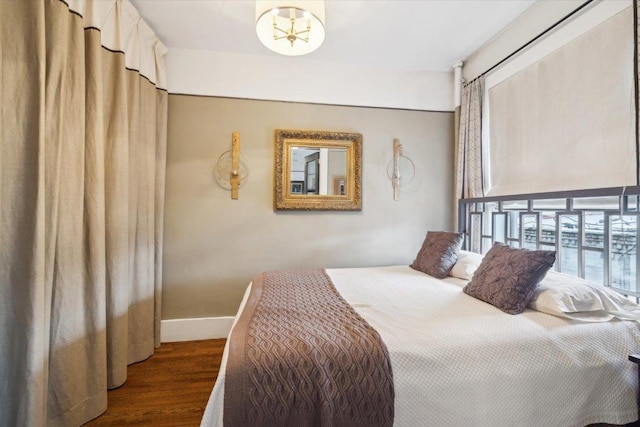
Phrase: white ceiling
(406, 34)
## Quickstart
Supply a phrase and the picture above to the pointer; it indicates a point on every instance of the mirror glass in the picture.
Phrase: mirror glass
(317, 170)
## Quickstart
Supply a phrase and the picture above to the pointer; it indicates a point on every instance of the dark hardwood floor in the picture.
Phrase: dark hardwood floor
(170, 389)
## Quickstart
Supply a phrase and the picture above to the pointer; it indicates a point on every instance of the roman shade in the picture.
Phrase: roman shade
(566, 122)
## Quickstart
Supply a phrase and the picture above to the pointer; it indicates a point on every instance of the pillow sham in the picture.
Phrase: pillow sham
(466, 265)
(574, 298)
(507, 277)
(438, 253)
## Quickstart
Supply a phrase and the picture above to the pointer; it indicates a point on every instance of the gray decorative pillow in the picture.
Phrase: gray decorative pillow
(438, 253)
(507, 277)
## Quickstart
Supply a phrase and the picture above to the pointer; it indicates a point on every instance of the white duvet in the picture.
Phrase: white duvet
(458, 361)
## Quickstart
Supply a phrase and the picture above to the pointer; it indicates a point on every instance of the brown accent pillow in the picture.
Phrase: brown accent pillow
(438, 253)
(507, 277)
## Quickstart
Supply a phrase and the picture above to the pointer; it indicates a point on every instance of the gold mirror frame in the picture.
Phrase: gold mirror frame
(283, 199)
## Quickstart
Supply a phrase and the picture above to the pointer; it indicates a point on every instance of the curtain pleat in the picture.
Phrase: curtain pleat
(24, 300)
(162, 110)
(116, 125)
(94, 218)
(76, 346)
(81, 180)
(141, 219)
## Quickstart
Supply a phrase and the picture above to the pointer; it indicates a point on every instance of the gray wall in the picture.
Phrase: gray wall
(214, 245)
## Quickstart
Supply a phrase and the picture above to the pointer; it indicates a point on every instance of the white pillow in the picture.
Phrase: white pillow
(466, 265)
(574, 298)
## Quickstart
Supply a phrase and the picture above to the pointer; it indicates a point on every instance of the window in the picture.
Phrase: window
(595, 237)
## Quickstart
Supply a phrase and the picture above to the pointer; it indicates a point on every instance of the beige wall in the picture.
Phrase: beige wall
(537, 19)
(205, 72)
(214, 245)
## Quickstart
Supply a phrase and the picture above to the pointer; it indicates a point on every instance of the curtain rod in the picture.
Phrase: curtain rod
(533, 40)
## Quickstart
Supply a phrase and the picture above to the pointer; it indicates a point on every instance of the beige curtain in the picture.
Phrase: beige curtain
(469, 177)
(636, 82)
(82, 161)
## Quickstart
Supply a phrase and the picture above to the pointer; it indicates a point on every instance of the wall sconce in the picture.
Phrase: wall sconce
(231, 170)
(400, 169)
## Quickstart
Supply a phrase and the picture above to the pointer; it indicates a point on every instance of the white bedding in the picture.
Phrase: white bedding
(458, 361)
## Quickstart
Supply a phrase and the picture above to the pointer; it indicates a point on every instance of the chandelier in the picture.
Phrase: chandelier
(290, 27)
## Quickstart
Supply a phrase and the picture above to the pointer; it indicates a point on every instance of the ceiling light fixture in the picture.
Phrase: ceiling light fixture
(290, 27)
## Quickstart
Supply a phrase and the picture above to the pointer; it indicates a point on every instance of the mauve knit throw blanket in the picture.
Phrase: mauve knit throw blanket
(299, 355)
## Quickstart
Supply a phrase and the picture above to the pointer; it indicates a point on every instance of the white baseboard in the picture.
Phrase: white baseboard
(202, 328)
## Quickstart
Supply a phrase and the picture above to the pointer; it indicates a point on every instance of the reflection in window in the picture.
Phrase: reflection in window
(623, 251)
(487, 223)
(530, 231)
(568, 244)
(486, 244)
(600, 203)
(515, 205)
(594, 266)
(514, 225)
(476, 233)
(555, 204)
(593, 229)
(548, 227)
(500, 227)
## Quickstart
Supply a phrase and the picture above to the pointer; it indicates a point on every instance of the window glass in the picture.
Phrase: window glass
(551, 204)
(500, 227)
(568, 244)
(623, 251)
(530, 232)
(476, 233)
(594, 267)
(515, 205)
(548, 227)
(604, 203)
(593, 230)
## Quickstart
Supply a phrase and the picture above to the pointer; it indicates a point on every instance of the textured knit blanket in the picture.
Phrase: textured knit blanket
(299, 355)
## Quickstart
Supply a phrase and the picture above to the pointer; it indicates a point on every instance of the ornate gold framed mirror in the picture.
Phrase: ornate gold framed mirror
(317, 170)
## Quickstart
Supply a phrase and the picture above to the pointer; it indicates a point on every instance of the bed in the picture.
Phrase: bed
(459, 361)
